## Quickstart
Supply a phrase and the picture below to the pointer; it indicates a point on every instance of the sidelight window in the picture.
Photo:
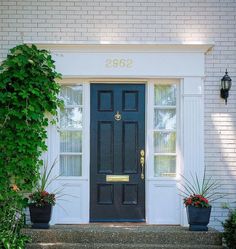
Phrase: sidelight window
(71, 117)
(164, 130)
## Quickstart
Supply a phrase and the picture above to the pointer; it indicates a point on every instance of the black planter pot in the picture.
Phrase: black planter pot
(198, 218)
(40, 216)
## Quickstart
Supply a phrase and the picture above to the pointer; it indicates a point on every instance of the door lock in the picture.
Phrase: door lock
(142, 162)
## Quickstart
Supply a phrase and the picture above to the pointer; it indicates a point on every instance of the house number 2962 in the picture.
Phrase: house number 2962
(119, 63)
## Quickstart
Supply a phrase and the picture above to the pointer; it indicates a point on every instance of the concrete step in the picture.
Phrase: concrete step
(155, 235)
(116, 246)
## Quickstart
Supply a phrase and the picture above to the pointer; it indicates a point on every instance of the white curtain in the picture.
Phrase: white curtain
(165, 130)
(71, 120)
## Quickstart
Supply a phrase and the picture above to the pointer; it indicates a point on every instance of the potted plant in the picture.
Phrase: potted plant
(198, 212)
(197, 196)
(41, 201)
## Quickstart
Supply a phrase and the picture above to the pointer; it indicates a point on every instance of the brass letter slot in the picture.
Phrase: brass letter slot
(117, 178)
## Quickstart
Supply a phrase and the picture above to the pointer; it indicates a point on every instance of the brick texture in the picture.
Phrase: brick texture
(140, 21)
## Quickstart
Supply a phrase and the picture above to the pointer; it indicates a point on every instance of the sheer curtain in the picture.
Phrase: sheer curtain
(165, 130)
(71, 117)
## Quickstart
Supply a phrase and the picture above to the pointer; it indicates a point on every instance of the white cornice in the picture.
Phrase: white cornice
(197, 47)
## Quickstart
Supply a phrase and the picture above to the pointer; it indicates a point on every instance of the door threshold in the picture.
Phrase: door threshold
(119, 224)
(118, 221)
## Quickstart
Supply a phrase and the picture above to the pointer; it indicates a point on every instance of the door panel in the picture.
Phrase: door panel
(130, 143)
(105, 147)
(117, 137)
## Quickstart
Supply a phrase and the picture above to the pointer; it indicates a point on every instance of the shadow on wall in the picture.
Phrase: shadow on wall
(220, 155)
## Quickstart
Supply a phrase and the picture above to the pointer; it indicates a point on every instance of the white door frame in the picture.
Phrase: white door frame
(88, 62)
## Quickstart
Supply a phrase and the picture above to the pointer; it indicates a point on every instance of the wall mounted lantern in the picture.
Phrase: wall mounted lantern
(226, 83)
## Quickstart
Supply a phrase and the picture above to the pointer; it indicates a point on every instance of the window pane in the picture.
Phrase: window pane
(165, 95)
(70, 165)
(72, 95)
(70, 141)
(164, 142)
(165, 166)
(165, 119)
(71, 118)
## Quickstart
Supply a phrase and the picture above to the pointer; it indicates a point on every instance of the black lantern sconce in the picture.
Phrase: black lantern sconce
(226, 83)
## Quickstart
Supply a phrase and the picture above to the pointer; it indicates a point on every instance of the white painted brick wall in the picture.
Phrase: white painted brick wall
(147, 20)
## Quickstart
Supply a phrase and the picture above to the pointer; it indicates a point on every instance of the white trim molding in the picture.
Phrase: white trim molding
(129, 60)
(110, 46)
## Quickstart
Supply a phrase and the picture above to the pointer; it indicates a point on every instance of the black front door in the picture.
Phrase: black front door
(117, 152)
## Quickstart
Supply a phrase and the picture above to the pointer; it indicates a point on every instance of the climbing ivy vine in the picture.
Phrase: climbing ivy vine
(28, 91)
(28, 96)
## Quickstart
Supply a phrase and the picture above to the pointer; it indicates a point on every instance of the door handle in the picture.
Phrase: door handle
(142, 162)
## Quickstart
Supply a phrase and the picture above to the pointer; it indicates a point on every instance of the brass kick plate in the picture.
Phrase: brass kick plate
(117, 178)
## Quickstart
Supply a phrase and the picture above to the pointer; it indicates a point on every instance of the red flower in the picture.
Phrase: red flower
(196, 200)
(44, 193)
(189, 201)
(205, 200)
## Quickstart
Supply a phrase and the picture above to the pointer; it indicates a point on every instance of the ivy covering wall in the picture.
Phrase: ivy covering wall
(27, 92)
(28, 95)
